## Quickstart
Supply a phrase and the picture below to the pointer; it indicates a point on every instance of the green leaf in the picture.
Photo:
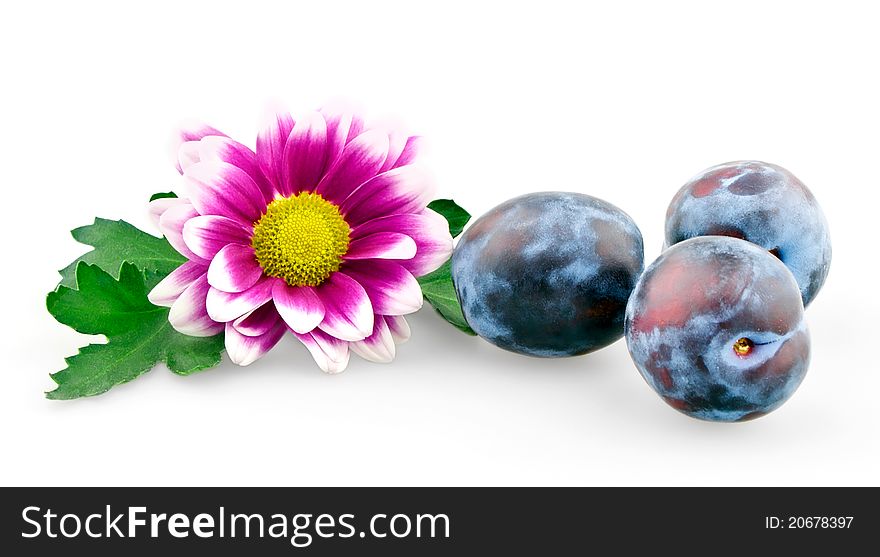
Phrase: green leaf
(455, 215)
(163, 195)
(116, 241)
(138, 333)
(438, 289)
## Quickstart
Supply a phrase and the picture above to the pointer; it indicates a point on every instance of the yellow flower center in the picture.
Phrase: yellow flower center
(301, 239)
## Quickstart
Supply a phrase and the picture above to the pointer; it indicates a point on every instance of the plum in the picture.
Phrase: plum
(716, 327)
(764, 204)
(548, 274)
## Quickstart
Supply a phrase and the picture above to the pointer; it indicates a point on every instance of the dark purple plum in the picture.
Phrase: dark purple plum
(716, 327)
(548, 274)
(764, 204)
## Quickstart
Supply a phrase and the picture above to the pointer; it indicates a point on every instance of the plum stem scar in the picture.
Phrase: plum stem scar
(743, 347)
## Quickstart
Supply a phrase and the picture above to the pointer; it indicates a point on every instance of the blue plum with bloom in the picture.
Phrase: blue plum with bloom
(716, 327)
(764, 204)
(548, 274)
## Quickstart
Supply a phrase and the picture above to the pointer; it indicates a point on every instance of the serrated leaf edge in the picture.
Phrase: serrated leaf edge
(156, 333)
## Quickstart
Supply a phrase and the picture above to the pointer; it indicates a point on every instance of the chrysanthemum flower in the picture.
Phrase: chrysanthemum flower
(320, 231)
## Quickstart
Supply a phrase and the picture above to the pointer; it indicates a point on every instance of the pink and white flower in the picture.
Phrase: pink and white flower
(320, 231)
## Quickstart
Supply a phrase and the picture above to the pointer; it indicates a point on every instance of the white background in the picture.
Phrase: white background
(624, 101)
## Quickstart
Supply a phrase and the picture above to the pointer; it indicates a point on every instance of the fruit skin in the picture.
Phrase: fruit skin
(548, 274)
(690, 308)
(764, 204)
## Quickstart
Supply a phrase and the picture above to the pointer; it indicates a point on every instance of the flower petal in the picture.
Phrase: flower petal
(188, 314)
(360, 160)
(224, 149)
(245, 350)
(157, 207)
(206, 235)
(304, 155)
(258, 322)
(299, 306)
(407, 189)
(396, 144)
(342, 126)
(410, 151)
(429, 230)
(382, 245)
(187, 155)
(190, 131)
(378, 347)
(234, 269)
(219, 188)
(229, 306)
(171, 287)
(270, 146)
(348, 314)
(194, 130)
(391, 288)
(330, 353)
(400, 330)
(171, 224)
